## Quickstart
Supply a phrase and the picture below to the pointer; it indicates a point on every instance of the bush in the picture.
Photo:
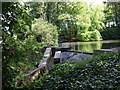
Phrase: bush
(44, 31)
(21, 57)
(111, 33)
(101, 72)
(90, 36)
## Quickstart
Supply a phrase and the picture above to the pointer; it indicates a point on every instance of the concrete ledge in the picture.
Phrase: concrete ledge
(42, 67)
(62, 49)
(80, 52)
(35, 74)
(46, 57)
(57, 56)
(117, 49)
(99, 51)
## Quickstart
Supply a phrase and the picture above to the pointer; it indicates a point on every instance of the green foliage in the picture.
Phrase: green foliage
(75, 18)
(109, 13)
(34, 9)
(16, 20)
(20, 58)
(44, 31)
(112, 14)
(72, 18)
(97, 18)
(21, 49)
(111, 33)
(100, 72)
(23, 40)
(78, 19)
(90, 36)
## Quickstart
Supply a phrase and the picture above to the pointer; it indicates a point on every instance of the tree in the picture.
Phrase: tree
(112, 13)
(112, 21)
(79, 18)
(73, 18)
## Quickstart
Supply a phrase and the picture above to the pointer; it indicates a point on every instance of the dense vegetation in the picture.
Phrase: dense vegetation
(100, 72)
(78, 21)
(75, 20)
(22, 43)
(44, 32)
(28, 27)
(112, 22)
(111, 33)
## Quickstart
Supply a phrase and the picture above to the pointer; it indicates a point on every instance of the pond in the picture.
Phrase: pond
(90, 46)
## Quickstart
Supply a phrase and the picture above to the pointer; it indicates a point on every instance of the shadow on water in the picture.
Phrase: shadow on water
(90, 46)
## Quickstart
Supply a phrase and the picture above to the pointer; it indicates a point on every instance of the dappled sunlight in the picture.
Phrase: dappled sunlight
(36, 36)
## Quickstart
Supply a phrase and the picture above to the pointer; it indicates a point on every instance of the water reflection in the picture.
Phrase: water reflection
(90, 46)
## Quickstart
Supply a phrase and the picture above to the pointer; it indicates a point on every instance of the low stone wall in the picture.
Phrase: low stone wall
(80, 52)
(54, 51)
(100, 51)
(44, 63)
(42, 67)
(116, 49)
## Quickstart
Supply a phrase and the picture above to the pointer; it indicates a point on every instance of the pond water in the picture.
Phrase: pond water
(90, 46)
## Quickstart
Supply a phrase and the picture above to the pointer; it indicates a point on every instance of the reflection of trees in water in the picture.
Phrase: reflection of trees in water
(110, 45)
(86, 47)
(89, 47)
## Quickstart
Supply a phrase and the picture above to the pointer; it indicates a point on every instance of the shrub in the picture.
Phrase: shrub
(44, 31)
(20, 58)
(111, 33)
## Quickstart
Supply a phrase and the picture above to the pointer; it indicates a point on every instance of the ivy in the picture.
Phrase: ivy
(100, 72)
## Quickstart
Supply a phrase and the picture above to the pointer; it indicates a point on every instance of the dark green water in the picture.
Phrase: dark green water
(90, 46)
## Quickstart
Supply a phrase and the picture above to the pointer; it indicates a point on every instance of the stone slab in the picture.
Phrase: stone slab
(57, 56)
(73, 56)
